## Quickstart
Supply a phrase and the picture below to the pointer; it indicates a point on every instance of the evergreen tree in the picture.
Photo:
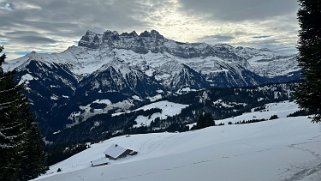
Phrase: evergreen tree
(308, 93)
(22, 157)
(205, 120)
(2, 58)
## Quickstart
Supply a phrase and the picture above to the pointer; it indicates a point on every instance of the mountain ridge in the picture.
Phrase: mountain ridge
(153, 44)
(128, 69)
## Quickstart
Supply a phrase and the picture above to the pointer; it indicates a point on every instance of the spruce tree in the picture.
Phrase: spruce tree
(308, 93)
(205, 120)
(10, 137)
(2, 58)
(22, 157)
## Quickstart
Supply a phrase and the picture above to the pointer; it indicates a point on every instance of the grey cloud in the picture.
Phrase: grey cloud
(262, 36)
(262, 41)
(70, 19)
(119, 13)
(2, 42)
(217, 38)
(272, 44)
(239, 10)
(20, 33)
(7, 6)
(29, 37)
(33, 40)
(49, 22)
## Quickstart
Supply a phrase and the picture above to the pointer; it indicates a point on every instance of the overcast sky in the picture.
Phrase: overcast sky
(54, 25)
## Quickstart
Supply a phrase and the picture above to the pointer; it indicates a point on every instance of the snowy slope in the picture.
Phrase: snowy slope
(169, 109)
(281, 149)
(80, 60)
(281, 109)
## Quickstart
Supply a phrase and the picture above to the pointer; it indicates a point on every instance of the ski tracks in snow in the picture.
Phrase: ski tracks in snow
(314, 167)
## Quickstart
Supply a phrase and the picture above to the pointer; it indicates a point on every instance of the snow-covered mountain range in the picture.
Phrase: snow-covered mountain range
(166, 61)
(128, 69)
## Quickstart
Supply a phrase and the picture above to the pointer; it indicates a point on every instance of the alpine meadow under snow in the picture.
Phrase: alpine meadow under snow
(168, 109)
(287, 148)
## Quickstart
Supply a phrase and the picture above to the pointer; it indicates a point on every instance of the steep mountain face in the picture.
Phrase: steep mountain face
(174, 75)
(49, 88)
(117, 76)
(112, 72)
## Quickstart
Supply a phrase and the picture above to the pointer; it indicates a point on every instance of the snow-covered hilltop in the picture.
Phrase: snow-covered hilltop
(279, 150)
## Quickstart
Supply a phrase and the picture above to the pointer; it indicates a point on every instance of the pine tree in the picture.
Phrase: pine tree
(205, 120)
(10, 137)
(22, 157)
(2, 58)
(308, 93)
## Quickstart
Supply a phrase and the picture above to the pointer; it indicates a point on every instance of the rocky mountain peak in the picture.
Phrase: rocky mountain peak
(152, 34)
(133, 34)
(115, 40)
(153, 41)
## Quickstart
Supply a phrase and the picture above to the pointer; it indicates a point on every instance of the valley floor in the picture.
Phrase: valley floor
(285, 149)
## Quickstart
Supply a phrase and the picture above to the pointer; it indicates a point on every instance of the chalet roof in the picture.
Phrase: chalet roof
(115, 151)
(100, 161)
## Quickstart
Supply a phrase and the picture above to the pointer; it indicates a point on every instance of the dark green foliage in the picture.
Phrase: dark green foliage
(308, 93)
(2, 58)
(11, 137)
(251, 121)
(108, 126)
(274, 117)
(156, 123)
(240, 100)
(57, 153)
(22, 157)
(177, 127)
(298, 113)
(205, 120)
(33, 162)
(257, 109)
(98, 106)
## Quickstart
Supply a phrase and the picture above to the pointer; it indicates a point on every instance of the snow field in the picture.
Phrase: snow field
(169, 109)
(281, 109)
(281, 149)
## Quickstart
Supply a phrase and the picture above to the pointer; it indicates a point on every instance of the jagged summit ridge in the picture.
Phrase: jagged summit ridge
(95, 40)
(153, 41)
